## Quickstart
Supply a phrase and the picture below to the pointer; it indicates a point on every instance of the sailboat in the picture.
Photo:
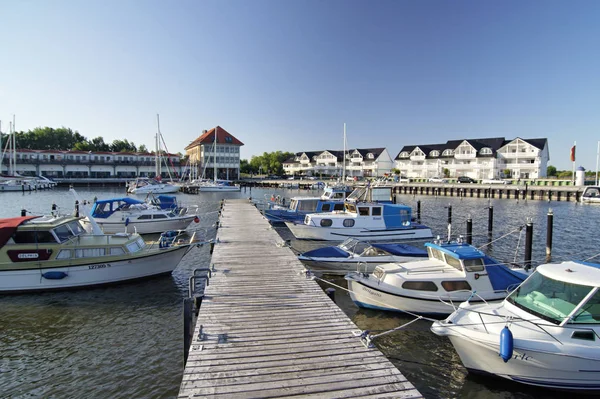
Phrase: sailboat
(217, 185)
(153, 186)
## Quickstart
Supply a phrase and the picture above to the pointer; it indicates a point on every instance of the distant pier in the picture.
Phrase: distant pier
(265, 330)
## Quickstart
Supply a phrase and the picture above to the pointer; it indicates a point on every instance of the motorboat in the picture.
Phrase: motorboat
(451, 274)
(545, 333)
(332, 199)
(591, 195)
(130, 215)
(56, 252)
(370, 221)
(151, 186)
(353, 254)
(218, 186)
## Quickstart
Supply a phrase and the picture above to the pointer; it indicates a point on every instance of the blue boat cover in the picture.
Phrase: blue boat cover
(105, 208)
(126, 200)
(402, 250)
(167, 201)
(501, 276)
(327, 252)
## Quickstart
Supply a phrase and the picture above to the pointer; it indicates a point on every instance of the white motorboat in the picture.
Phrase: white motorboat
(55, 252)
(133, 216)
(363, 221)
(353, 254)
(545, 333)
(151, 186)
(591, 195)
(218, 186)
(451, 274)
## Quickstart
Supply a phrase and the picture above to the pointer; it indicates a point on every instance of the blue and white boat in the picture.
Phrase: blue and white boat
(353, 254)
(545, 333)
(117, 215)
(332, 199)
(365, 221)
(453, 273)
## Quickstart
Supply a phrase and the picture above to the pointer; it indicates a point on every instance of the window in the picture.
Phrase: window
(434, 253)
(145, 217)
(434, 153)
(456, 286)
(473, 265)
(89, 252)
(452, 261)
(76, 228)
(420, 285)
(404, 154)
(63, 233)
(363, 211)
(117, 251)
(141, 243)
(338, 207)
(486, 151)
(326, 222)
(376, 211)
(448, 153)
(133, 247)
(64, 254)
(348, 222)
(326, 207)
(159, 216)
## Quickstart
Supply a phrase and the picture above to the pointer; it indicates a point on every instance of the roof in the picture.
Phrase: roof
(493, 143)
(209, 137)
(364, 151)
(9, 225)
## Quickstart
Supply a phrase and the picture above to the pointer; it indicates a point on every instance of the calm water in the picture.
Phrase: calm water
(126, 340)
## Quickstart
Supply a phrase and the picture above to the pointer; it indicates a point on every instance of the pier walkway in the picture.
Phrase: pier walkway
(266, 331)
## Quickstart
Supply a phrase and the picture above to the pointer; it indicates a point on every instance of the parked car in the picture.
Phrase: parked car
(494, 181)
(465, 179)
(436, 179)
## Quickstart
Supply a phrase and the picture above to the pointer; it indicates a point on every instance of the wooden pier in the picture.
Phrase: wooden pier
(264, 330)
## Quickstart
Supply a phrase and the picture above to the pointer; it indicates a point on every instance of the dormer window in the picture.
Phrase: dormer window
(448, 153)
(228, 139)
(370, 155)
(486, 151)
(404, 154)
(434, 153)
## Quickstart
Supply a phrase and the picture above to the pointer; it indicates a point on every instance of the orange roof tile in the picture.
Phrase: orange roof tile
(209, 138)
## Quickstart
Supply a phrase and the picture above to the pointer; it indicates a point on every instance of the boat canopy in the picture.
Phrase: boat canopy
(458, 250)
(8, 226)
(105, 208)
(166, 201)
(401, 250)
(501, 276)
(327, 252)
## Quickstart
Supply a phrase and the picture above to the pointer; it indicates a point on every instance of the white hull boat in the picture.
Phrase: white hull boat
(129, 215)
(218, 188)
(544, 334)
(355, 255)
(154, 188)
(452, 274)
(591, 195)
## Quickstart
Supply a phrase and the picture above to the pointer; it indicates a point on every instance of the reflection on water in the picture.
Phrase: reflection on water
(126, 341)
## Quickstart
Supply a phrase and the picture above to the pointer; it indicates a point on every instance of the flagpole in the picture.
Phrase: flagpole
(573, 159)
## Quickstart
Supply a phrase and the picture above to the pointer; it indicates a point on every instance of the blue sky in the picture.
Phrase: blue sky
(285, 75)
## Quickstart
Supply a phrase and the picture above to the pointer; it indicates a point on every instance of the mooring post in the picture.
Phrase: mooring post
(23, 212)
(330, 293)
(449, 214)
(528, 243)
(490, 221)
(188, 332)
(469, 230)
(419, 211)
(76, 208)
(549, 229)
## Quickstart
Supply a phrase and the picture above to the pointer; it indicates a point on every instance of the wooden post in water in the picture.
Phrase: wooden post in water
(449, 214)
(528, 243)
(469, 230)
(490, 221)
(419, 211)
(549, 229)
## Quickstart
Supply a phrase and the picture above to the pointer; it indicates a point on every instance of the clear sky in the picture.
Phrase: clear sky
(286, 74)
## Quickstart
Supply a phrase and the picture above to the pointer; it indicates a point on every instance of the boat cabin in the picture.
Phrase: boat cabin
(105, 208)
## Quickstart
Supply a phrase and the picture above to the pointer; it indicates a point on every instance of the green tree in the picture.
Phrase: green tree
(142, 148)
(98, 144)
(122, 146)
(551, 171)
(446, 172)
(396, 171)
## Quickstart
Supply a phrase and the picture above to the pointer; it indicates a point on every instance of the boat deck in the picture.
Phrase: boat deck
(264, 330)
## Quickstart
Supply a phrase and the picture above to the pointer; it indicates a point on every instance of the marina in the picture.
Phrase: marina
(118, 328)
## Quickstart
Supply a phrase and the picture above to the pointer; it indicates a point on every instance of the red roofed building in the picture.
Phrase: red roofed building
(201, 155)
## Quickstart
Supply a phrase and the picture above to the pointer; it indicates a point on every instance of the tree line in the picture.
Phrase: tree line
(267, 163)
(65, 139)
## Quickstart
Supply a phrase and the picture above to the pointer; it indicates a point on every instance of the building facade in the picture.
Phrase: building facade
(207, 155)
(84, 164)
(487, 158)
(366, 162)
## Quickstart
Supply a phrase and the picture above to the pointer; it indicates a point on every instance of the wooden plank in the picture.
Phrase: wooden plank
(269, 332)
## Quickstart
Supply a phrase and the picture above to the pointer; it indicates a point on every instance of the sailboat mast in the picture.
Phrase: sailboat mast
(344, 164)
(11, 168)
(158, 158)
(14, 147)
(215, 156)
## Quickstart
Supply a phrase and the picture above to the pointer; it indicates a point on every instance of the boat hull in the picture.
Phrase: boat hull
(363, 264)
(142, 227)
(217, 189)
(158, 262)
(304, 232)
(550, 370)
(161, 189)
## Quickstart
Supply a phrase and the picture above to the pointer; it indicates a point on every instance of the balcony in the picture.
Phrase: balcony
(465, 156)
(417, 157)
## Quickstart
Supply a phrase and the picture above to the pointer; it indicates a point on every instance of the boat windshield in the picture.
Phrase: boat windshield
(349, 244)
(549, 299)
(309, 205)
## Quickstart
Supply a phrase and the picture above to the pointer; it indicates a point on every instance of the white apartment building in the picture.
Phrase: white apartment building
(84, 164)
(203, 154)
(367, 162)
(477, 158)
